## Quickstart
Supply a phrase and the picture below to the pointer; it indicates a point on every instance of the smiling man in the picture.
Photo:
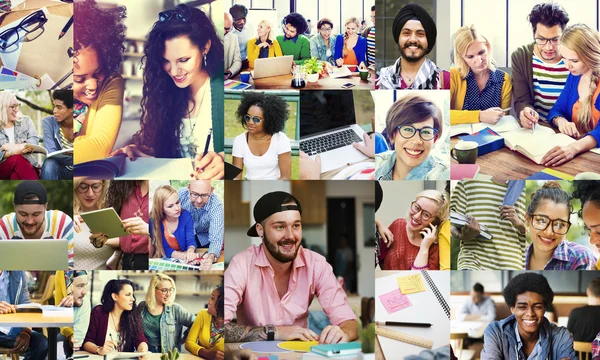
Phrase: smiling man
(293, 42)
(415, 32)
(527, 334)
(288, 278)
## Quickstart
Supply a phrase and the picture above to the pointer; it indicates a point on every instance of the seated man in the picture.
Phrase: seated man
(584, 322)
(71, 292)
(32, 219)
(288, 277)
(233, 60)
(293, 42)
(13, 291)
(58, 135)
(209, 218)
(478, 307)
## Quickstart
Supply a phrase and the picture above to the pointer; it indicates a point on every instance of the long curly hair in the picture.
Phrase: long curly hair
(275, 110)
(131, 321)
(103, 29)
(164, 105)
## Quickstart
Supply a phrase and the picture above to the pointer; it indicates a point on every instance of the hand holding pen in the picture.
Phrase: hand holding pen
(529, 118)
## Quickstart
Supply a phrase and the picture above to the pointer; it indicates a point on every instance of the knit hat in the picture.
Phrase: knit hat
(415, 12)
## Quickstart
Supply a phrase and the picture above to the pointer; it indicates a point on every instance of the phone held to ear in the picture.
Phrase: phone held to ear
(435, 222)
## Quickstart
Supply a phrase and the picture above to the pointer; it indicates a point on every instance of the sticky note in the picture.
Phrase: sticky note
(297, 345)
(411, 284)
(394, 301)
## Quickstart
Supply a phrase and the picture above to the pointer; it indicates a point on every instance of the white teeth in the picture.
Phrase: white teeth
(413, 152)
(529, 322)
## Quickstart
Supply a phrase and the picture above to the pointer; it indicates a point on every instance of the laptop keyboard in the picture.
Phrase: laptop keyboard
(329, 142)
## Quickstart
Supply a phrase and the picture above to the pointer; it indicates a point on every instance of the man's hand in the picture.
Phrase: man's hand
(332, 335)
(6, 308)
(528, 117)
(67, 301)
(207, 261)
(509, 213)
(295, 333)
(470, 230)
(22, 342)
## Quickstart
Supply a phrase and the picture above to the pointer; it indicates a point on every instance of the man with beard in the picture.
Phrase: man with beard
(271, 286)
(76, 286)
(539, 71)
(243, 32)
(293, 42)
(32, 220)
(415, 33)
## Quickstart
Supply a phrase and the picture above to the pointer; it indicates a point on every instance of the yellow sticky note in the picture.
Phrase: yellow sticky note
(297, 345)
(411, 284)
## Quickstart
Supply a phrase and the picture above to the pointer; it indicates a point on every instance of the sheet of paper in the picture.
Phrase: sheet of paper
(394, 301)
(157, 169)
(411, 284)
(15, 3)
(11, 57)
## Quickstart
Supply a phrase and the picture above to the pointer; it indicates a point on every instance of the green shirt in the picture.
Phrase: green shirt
(151, 325)
(299, 49)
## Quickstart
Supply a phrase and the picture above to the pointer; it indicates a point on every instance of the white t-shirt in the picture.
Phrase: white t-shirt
(10, 132)
(264, 167)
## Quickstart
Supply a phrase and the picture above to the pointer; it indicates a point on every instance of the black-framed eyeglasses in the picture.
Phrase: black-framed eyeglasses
(416, 208)
(408, 131)
(543, 41)
(29, 24)
(166, 291)
(180, 13)
(254, 119)
(195, 196)
(83, 188)
(541, 222)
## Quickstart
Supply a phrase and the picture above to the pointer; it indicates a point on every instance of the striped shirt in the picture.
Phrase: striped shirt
(209, 221)
(58, 225)
(482, 200)
(371, 47)
(567, 256)
(548, 82)
(64, 142)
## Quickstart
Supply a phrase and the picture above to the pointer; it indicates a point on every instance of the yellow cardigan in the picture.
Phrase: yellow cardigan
(199, 335)
(254, 51)
(444, 245)
(60, 292)
(102, 123)
(458, 91)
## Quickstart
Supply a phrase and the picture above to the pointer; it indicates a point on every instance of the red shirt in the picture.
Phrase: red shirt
(135, 244)
(401, 254)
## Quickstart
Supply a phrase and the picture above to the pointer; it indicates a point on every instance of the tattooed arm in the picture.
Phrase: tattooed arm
(242, 333)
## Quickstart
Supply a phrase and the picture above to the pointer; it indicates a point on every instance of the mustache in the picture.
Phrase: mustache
(407, 45)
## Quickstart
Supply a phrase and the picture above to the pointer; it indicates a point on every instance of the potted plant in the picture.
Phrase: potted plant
(171, 355)
(367, 340)
(313, 68)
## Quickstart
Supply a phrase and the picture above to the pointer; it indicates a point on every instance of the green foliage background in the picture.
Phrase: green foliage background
(60, 195)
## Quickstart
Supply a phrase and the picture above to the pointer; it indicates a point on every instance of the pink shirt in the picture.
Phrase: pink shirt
(250, 290)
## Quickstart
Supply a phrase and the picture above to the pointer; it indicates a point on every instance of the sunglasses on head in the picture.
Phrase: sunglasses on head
(180, 13)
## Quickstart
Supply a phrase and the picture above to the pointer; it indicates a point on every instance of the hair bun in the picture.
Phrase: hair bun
(552, 185)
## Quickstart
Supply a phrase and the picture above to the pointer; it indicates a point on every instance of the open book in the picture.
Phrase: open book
(147, 168)
(43, 150)
(506, 123)
(46, 310)
(459, 220)
(338, 72)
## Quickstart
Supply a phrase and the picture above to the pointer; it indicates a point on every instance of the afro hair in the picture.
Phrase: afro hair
(297, 21)
(275, 110)
(525, 282)
(586, 190)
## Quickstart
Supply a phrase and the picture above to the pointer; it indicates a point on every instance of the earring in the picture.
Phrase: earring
(204, 65)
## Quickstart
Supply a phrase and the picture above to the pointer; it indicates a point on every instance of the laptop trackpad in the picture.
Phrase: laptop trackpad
(340, 157)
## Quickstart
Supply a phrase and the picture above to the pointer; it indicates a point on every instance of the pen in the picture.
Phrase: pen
(395, 323)
(66, 28)
(80, 357)
(533, 126)
(207, 143)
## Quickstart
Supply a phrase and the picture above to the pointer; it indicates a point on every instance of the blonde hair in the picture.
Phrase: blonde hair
(348, 21)
(161, 194)
(270, 35)
(585, 42)
(463, 38)
(6, 97)
(77, 204)
(154, 282)
(441, 199)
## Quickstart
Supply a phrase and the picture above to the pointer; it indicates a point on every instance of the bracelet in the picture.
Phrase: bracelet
(419, 267)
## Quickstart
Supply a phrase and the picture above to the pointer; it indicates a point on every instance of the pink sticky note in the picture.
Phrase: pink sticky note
(395, 301)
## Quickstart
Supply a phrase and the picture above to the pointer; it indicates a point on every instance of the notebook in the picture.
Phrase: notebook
(506, 123)
(429, 306)
(550, 174)
(459, 220)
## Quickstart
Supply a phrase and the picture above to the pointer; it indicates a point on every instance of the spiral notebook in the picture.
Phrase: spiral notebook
(429, 306)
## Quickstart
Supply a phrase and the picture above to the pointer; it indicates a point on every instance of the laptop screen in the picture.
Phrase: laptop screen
(324, 110)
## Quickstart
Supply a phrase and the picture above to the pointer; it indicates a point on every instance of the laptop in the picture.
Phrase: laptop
(273, 66)
(328, 128)
(33, 254)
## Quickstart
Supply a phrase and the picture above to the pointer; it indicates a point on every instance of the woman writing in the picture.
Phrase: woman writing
(163, 319)
(322, 45)
(577, 110)
(16, 132)
(351, 48)
(183, 90)
(548, 219)
(478, 91)
(415, 239)
(413, 124)
(263, 149)
(171, 227)
(99, 46)
(264, 45)
(206, 336)
(113, 325)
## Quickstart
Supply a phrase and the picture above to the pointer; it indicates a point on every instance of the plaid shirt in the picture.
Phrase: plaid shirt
(567, 256)
(596, 348)
(209, 221)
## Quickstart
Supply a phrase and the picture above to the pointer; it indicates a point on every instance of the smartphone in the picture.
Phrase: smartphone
(347, 85)
(435, 222)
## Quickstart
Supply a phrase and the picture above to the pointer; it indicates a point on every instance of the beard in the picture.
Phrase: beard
(37, 228)
(275, 253)
(409, 58)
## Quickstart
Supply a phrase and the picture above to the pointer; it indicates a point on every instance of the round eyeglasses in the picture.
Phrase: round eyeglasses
(541, 222)
(408, 131)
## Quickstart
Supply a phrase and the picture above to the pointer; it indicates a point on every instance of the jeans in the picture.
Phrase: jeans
(55, 168)
(38, 345)
(135, 261)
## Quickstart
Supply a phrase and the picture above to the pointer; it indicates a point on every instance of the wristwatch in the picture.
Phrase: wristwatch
(270, 330)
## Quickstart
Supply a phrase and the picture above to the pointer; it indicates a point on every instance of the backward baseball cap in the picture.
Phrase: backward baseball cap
(30, 187)
(269, 204)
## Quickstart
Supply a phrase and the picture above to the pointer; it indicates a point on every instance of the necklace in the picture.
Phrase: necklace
(190, 140)
(139, 199)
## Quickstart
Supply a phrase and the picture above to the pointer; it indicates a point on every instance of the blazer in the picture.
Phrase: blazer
(233, 60)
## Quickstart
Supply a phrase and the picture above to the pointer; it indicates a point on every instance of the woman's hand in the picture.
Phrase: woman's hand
(559, 155)
(12, 149)
(6, 308)
(131, 151)
(384, 233)
(264, 45)
(567, 127)
(77, 222)
(429, 236)
(136, 226)
(339, 62)
(368, 148)
(209, 167)
(491, 115)
(309, 169)
(108, 347)
(190, 255)
(98, 240)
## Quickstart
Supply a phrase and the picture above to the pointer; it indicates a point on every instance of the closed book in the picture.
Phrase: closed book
(487, 139)
(550, 174)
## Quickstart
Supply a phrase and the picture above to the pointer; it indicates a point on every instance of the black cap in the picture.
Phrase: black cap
(30, 187)
(270, 204)
(238, 11)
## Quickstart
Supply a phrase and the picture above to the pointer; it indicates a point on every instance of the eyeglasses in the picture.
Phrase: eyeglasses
(408, 131)
(29, 24)
(14, 106)
(543, 41)
(83, 188)
(541, 222)
(255, 119)
(195, 196)
(425, 215)
(166, 291)
(326, 29)
(181, 13)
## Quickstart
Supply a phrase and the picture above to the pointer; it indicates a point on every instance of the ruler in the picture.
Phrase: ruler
(410, 339)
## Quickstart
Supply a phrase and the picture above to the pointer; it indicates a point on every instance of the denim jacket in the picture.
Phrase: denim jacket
(17, 293)
(172, 321)
(501, 342)
(51, 134)
(24, 133)
(319, 49)
(431, 168)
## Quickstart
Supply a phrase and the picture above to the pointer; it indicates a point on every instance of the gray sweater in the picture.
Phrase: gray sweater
(522, 76)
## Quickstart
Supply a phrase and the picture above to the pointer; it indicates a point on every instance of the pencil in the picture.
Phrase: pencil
(207, 143)
(396, 323)
(66, 28)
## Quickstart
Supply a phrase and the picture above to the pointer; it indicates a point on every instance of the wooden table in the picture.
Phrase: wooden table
(153, 356)
(38, 320)
(505, 164)
(325, 82)
(203, 250)
(281, 355)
